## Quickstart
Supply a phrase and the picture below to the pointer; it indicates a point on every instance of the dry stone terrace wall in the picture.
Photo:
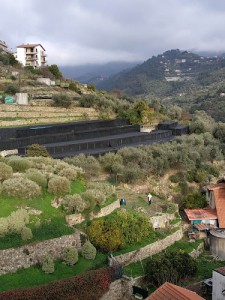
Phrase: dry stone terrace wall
(78, 218)
(28, 255)
(150, 249)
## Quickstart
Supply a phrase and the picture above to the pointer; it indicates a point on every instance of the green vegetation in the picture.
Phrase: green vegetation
(138, 268)
(121, 228)
(170, 266)
(34, 276)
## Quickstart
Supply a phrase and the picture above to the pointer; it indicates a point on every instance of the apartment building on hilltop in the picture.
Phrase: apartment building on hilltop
(31, 55)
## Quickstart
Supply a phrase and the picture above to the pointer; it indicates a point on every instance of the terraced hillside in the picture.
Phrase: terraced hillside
(41, 113)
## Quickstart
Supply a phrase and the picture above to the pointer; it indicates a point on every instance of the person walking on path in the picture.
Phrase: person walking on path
(149, 199)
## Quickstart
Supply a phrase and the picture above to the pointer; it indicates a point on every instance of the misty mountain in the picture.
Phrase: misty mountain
(95, 73)
(192, 81)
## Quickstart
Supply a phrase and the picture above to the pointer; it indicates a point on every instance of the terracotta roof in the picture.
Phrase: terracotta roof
(217, 186)
(219, 196)
(29, 46)
(203, 226)
(201, 214)
(220, 270)
(169, 291)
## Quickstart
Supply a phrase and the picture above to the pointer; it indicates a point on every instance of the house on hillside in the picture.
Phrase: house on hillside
(169, 291)
(31, 55)
(202, 219)
(215, 197)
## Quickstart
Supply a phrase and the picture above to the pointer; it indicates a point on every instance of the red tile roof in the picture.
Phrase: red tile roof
(29, 46)
(203, 226)
(169, 291)
(217, 186)
(201, 214)
(219, 196)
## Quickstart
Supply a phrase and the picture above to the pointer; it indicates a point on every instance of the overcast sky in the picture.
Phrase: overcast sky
(75, 32)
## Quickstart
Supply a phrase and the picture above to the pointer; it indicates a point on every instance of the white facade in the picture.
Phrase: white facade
(31, 55)
(218, 286)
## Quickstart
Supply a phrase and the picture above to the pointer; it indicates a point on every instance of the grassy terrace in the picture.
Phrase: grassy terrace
(34, 276)
(52, 220)
(137, 269)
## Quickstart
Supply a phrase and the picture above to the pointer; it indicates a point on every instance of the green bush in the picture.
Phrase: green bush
(88, 251)
(19, 164)
(170, 266)
(12, 89)
(68, 172)
(58, 185)
(194, 200)
(36, 150)
(37, 177)
(73, 203)
(14, 223)
(62, 100)
(5, 171)
(123, 228)
(26, 234)
(48, 264)
(175, 178)
(21, 187)
(70, 256)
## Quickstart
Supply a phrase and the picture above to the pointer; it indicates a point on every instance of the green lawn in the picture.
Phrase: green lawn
(34, 276)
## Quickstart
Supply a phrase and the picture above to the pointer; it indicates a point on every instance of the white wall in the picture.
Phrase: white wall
(218, 286)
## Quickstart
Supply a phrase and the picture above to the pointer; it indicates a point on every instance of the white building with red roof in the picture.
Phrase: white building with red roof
(31, 55)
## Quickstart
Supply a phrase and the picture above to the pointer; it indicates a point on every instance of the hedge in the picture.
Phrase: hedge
(91, 285)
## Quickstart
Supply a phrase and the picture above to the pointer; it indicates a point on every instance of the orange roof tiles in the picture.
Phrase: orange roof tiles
(217, 186)
(203, 226)
(201, 214)
(169, 291)
(219, 196)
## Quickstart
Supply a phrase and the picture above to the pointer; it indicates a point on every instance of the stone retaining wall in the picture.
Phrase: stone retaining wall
(28, 255)
(107, 210)
(161, 221)
(150, 249)
(78, 218)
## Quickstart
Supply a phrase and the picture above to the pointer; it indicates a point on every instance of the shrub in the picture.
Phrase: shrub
(37, 177)
(124, 228)
(36, 150)
(19, 164)
(70, 256)
(89, 164)
(73, 203)
(88, 251)
(5, 171)
(26, 234)
(4, 227)
(62, 100)
(58, 185)
(68, 172)
(21, 187)
(14, 223)
(48, 264)
(12, 89)
(106, 237)
(194, 200)
(170, 266)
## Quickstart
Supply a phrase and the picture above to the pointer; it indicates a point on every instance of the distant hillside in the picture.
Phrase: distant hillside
(95, 73)
(178, 77)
